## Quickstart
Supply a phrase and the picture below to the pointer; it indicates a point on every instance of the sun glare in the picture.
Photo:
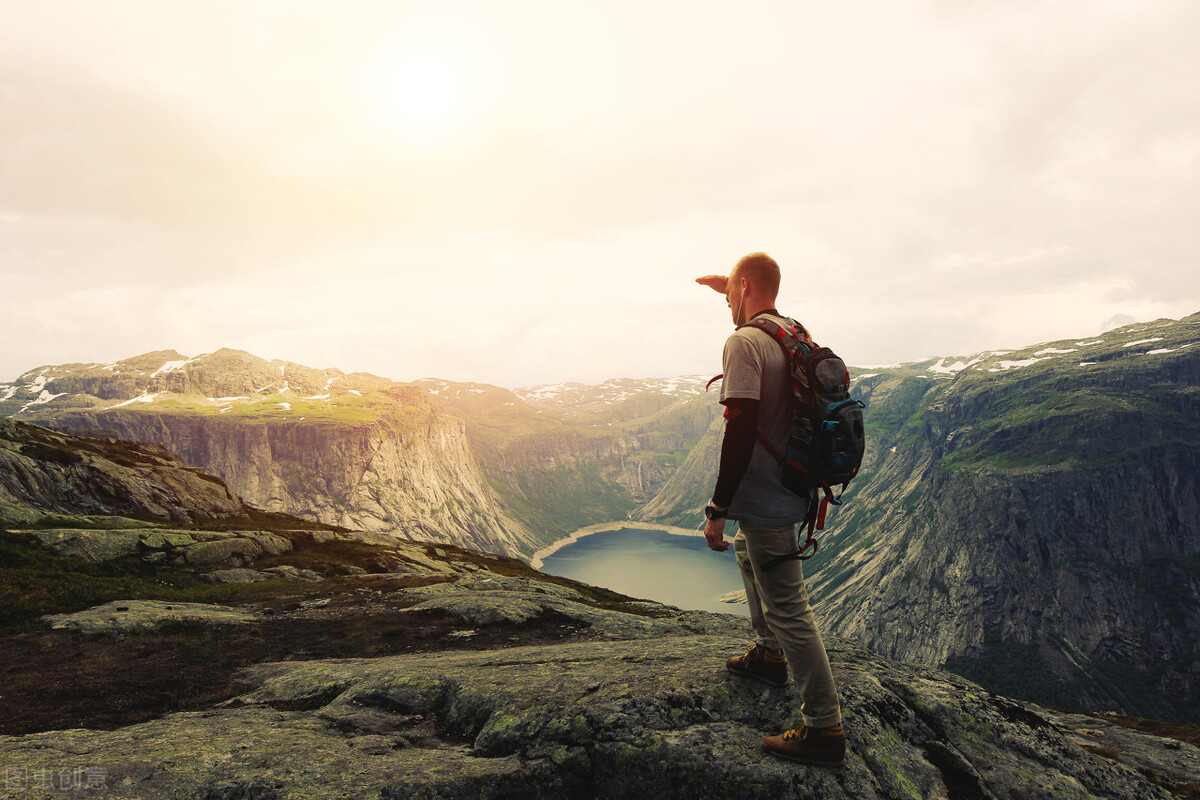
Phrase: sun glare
(424, 92)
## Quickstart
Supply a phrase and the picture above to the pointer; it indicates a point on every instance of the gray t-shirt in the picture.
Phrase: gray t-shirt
(755, 368)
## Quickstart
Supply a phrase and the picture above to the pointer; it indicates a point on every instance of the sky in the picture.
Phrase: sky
(523, 192)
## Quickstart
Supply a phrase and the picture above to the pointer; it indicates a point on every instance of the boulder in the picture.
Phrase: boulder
(236, 575)
(293, 573)
(222, 551)
(270, 543)
(126, 615)
(94, 546)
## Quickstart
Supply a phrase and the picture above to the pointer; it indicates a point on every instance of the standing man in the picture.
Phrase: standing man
(757, 396)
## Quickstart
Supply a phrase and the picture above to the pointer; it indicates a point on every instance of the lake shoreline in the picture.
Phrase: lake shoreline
(539, 558)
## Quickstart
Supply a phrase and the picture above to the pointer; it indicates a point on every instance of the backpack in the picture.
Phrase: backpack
(826, 442)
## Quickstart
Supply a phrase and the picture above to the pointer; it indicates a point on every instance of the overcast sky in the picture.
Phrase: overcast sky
(522, 192)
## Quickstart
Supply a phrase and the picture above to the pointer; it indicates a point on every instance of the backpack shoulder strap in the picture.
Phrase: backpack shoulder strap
(781, 333)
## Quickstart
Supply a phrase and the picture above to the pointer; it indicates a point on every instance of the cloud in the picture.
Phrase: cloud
(970, 175)
(1116, 321)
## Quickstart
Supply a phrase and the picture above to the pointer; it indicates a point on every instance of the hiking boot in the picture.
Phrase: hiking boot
(760, 663)
(818, 747)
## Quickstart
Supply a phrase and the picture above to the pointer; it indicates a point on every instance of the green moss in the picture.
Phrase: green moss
(36, 580)
(901, 781)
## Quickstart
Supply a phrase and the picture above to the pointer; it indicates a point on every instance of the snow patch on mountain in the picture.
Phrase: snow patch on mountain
(942, 368)
(1165, 350)
(43, 397)
(614, 390)
(170, 366)
(39, 384)
(1004, 366)
(552, 391)
(144, 397)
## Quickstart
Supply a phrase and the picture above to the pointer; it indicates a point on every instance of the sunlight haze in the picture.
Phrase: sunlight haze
(523, 193)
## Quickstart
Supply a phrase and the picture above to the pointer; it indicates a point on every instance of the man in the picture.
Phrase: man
(756, 392)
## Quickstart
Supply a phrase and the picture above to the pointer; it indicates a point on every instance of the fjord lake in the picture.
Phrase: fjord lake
(652, 565)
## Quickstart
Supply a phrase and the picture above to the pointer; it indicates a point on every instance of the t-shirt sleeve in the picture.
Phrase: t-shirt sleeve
(743, 367)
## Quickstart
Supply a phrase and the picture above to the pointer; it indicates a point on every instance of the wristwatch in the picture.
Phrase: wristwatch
(715, 513)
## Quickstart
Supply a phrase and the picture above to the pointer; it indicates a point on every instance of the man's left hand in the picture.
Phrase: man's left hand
(718, 283)
(714, 532)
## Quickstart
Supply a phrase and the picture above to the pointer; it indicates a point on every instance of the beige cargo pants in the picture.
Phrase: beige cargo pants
(782, 617)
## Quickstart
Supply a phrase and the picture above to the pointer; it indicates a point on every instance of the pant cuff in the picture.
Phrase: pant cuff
(823, 722)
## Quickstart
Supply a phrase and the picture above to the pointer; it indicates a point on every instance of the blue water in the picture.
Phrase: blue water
(653, 565)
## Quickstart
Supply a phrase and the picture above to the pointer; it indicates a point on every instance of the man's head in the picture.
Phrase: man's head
(752, 287)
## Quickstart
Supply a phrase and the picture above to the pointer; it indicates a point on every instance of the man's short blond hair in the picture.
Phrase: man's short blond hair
(761, 270)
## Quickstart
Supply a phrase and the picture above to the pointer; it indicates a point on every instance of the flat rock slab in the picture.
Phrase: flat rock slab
(124, 615)
(237, 575)
(92, 545)
(198, 547)
(293, 573)
(654, 717)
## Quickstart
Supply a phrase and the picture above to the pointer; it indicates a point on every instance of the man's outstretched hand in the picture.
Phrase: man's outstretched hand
(718, 283)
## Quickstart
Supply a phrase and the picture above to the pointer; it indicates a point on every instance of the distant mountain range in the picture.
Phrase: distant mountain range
(1028, 517)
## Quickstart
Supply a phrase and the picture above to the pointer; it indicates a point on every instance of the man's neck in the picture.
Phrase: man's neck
(753, 312)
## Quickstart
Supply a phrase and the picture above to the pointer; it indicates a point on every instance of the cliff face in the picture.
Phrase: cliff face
(419, 482)
(682, 498)
(355, 451)
(46, 476)
(1034, 527)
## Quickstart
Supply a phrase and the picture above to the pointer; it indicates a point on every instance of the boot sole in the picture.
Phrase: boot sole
(811, 762)
(767, 681)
